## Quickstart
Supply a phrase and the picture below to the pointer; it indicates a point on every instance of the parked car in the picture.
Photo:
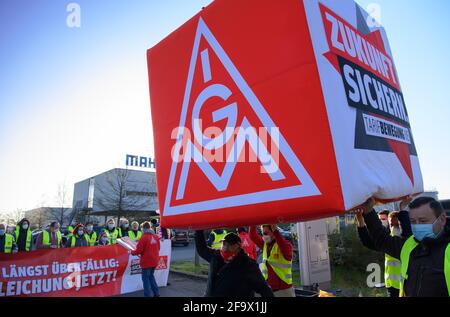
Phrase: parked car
(180, 237)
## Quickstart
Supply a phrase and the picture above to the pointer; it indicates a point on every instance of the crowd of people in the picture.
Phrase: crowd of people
(147, 235)
(415, 241)
(79, 235)
(416, 244)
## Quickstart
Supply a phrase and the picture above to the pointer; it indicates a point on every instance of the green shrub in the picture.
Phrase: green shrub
(347, 250)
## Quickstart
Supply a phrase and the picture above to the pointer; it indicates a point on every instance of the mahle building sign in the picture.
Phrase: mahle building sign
(140, 161)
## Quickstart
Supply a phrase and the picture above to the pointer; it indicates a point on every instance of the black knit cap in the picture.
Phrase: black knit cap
(232, 238)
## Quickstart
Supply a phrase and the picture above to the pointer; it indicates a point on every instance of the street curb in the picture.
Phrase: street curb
(190, 275)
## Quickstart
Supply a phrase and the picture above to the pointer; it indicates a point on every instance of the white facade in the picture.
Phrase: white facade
(127, 190)
(41, 217)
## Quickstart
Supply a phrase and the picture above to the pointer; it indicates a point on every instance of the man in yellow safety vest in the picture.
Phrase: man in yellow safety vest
(50, 238)
(424, 256)
(276, 266)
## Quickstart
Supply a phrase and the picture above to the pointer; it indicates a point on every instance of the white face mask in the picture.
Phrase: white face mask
(89, 228)
(104, 240)
(25, 226)
(267, 239)
(80, 232)
(110, 226)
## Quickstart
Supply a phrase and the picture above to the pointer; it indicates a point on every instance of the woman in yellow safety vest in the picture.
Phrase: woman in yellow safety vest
(112, 231)
(78, 238)
(103, 239)
(135, 234)
(91, 235)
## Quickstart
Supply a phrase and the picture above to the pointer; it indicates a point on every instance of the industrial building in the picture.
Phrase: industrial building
(117, 193)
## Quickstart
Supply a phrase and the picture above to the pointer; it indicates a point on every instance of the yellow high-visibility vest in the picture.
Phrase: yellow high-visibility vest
(28, 243)
(91, 238)
(133, 236)
(46, 238)
(112, 237)
(281, 266)
(74, 240)
(405, 254)
(392, 271)
(218, 237)
(9, 240)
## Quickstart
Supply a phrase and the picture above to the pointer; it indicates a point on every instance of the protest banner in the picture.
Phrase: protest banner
(70, 272)
(277, 111)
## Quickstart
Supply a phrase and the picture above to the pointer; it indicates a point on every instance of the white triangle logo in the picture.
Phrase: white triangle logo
(306, 186)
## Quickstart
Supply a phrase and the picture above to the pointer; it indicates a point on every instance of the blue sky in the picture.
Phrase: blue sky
(74, 101)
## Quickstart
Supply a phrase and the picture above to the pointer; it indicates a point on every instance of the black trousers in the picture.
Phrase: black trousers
(393, 292)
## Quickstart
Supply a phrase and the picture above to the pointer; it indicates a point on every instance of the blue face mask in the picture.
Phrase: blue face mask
(2, 232)
(422, 231)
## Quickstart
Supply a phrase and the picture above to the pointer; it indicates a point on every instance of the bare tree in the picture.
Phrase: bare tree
(62, 200)
(12, 217)
(116, 195)
(15, 216)
(38, 216)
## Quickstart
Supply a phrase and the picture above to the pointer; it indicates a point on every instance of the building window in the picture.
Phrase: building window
(136, 193)
(90, 202)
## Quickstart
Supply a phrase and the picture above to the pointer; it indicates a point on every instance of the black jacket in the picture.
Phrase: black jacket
(239, 278)
(22, 239)
(367, 240)
(426, 264)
